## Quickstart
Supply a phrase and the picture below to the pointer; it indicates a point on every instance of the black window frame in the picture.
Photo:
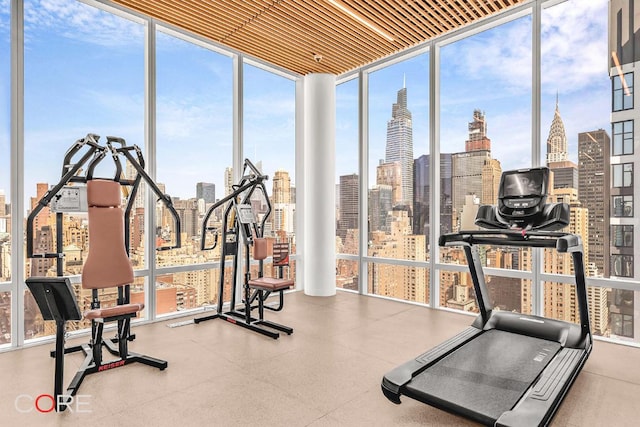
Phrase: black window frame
(619, 100)
(622, 137)
(626, 265)
(622, 235)
(624, 320)
(626, 175)
(627, 199)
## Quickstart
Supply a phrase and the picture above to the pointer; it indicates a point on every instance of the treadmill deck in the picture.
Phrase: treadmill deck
(485, 377)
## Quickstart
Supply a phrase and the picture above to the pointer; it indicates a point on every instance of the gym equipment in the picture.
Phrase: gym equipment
(506, 369)
(239, 222)
(107, 264)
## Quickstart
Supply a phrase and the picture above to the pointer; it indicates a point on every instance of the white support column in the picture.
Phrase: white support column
(319, 193)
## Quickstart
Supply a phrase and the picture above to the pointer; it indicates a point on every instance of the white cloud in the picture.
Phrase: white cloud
(574, 45)
(78, 21)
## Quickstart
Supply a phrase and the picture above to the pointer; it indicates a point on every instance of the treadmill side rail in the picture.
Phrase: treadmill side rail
(400, 376)
(544, 397)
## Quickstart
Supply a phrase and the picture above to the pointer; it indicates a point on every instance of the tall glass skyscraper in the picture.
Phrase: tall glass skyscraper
(400, 144)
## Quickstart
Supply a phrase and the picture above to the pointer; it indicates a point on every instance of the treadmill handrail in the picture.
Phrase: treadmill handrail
(563, 242)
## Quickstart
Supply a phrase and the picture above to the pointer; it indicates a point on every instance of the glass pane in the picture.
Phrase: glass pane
(398, 196)
(578, 149)
(190, 289)
(194, 99)
(5, 317)
(509, 294)
(5, 134)
(347, 274)
(456, 291)
(485, 122)
(403, 282)
(622, 314)
(269, 142)
(611, 311)
(347, 165)
(84, 73)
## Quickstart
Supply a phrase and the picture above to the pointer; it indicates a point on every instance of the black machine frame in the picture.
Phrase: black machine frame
(233, 231)
(55, 296)
(541, 398)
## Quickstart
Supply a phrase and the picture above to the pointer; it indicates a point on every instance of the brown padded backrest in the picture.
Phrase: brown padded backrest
(107, 264)
(260, 250)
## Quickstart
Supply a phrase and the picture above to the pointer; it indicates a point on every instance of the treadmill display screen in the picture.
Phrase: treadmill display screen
(523, 184)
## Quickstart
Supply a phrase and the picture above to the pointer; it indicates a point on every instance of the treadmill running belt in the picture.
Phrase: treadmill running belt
(486, 376)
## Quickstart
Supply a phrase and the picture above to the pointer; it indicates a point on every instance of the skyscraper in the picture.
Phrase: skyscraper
(380, 204)
(282, 215)
(565, 172)
(474, 171)
(557, 139)
(348, 204)
(466, 178)
(624, 45)
(422, 191)
(228, 180)
(593, 168)
(400, 144)
(477, 133)
(206, 191)
(391, 174)
(281, 192)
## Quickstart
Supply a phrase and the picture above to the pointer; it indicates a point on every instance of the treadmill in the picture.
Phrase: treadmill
(506, 369)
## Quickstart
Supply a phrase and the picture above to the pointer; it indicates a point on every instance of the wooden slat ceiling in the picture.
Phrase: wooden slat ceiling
(292, 34)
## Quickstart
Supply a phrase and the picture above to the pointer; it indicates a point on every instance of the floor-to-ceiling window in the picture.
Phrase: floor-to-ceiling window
(83, 73)
(194, 147)
(347, 184)
(577, 147)
(398, 173)
(269, 143)
(485, 129)
(5, 175)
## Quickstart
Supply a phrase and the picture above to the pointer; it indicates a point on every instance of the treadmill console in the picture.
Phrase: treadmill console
(522, 194)
(522, 203)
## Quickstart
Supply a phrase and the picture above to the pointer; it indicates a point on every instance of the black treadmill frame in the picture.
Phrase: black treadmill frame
(540, 402)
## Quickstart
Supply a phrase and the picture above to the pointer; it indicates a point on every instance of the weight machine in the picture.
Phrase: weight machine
(239, 223)
(107, 264)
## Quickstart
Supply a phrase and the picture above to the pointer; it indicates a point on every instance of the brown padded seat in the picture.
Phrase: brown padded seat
(271, 284)
(108, 264)
(118, 310)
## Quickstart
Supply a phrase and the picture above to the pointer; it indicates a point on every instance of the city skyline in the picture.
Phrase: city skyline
(117, 34)
(194, 124)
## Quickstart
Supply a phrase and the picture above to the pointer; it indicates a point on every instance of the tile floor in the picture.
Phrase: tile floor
(326, 374)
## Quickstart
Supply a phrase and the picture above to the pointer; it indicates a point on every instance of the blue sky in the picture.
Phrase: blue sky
(84, 72)
(491, 71)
